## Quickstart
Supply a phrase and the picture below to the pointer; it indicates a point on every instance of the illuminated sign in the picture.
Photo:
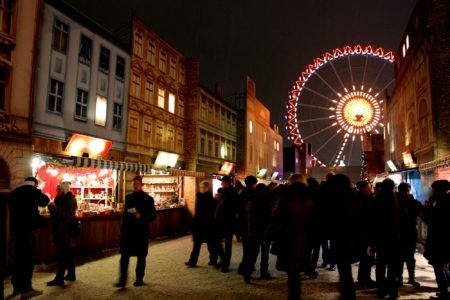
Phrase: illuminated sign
(165, 160)
(79, 144)
(408, 159)
(227, 168)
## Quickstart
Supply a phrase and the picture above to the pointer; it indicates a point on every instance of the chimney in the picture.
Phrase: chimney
(219, 91)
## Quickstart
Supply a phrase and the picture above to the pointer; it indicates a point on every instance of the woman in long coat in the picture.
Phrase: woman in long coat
(289, 229)
(63, 211)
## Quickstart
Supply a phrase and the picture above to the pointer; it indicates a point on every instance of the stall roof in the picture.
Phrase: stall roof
(86, 162)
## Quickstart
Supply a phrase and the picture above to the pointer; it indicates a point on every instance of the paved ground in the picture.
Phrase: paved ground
(168, 278)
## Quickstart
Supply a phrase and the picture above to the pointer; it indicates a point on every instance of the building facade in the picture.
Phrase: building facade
(259, 146)
(215, 132)
(157, 97)
(82, 82)
(19, 23)
(417, 131)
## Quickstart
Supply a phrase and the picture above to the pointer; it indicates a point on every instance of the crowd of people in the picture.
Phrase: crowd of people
(372, 226)
(375, 226)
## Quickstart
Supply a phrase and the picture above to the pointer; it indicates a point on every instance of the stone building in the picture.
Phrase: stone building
(259, 146)
(417, 131)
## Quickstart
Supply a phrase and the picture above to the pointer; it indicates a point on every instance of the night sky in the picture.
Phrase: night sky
(271, 41)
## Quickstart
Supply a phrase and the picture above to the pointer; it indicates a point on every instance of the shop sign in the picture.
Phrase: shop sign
(80, 144)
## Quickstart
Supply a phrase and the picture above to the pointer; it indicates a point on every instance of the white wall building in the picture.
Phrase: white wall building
(82, 78)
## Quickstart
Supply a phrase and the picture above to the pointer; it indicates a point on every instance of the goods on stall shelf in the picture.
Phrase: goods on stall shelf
(163, 189)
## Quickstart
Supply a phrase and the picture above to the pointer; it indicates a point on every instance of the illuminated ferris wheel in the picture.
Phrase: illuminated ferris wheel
(337, 100)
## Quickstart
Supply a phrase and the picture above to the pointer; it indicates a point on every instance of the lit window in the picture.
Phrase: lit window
(60, 36)
(81, 105)
(171, 103)
(222, 152)
(250, 127)
(407, 41)
(117, 116)
(404, 50)
(265, 136)
(55, 96)
(100, 111)
(161, 97)
(278, 146)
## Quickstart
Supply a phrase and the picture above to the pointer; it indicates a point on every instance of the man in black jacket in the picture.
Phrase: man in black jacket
(139, 211)
(226, 217)
(24, 221)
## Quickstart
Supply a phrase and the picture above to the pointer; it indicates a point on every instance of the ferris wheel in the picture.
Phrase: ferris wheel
(337, 101)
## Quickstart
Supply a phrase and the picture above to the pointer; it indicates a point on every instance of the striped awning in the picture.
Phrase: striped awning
(176, 172)
(85, 162)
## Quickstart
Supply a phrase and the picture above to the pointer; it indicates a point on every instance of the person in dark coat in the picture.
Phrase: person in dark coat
(139, 211)
(259, 212)
(226, 211)
(364, 195)
(409, 210)
(203, 225)
(387, 240)
(316, 234)
(24, 222)
(242, 221)
(347, 220)
(326, 208)
(63, 210)
(289, 232)
(437, 247)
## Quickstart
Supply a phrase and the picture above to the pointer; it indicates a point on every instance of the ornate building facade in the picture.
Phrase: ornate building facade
(158, 94)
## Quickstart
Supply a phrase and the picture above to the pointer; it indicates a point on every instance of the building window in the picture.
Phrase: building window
(133, 130)
(55, 97)
(202, 146)
(117, 116)
(5, 16)
(250, 126)
(136, 85)
(81, 105)
(180, 142)
(100, 111)
(4, 75)
(161, 98)
(407, 42)
(120, 68)
(148, 92)
(138, 43)
(181, 107)
(171, 103)
(159, 136)
(147, 134)
(60, 36)
(203, 107)
(182, 78)
(173, 68)
(162, 61)
(210, 148)
(216, 149)
(151, 53)
(170, 138)
(104, 60)
(85, 54)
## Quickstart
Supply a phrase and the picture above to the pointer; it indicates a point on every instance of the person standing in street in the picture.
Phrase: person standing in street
(203, 225)
(24, 222)
(63, 211)
(437, 247)
(139, 211)
(226, 211)
(409, 210)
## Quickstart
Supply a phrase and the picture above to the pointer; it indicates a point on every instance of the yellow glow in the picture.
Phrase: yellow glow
(358, 112)
(171, 103)
(96, 146)
(100, 111)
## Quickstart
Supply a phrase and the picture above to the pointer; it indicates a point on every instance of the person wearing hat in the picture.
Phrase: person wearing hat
(139, 211)
(24, 222)
(226, 211)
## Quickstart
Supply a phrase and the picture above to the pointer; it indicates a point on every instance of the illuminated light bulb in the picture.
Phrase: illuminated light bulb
(332, 116)
(362, 138)
(370, 90)
(376, 95)
(362, 87)
(345, 89)
(354, 88)
(332, 108)
(334, 124)
(339, 130)
(339, 94)
(334, 101)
